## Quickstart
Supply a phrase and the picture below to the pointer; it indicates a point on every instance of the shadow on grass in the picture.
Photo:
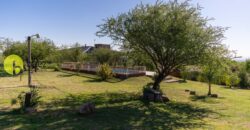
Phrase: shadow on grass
(66, 75)
(4, 74)
(205, 98)
(114, 111)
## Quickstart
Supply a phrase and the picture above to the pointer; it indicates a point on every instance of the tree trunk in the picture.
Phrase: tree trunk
(209, 88)
(158, 79)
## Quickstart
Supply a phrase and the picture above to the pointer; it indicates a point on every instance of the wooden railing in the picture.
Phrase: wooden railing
(92, 68)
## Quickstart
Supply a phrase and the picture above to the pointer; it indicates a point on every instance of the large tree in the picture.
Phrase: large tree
(40, 49)
(171, 34)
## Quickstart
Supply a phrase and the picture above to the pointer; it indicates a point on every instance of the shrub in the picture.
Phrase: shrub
(184, 74)
(232, 80)
(20, 99)
(104, 71)
(57, 68)
(35, 99)
(244, 79)
(201, 78)
(193, 75)
(53, 66)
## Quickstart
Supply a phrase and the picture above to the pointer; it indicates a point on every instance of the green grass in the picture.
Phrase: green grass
(118, 104)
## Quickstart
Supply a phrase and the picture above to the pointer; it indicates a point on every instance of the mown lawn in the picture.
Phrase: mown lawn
(118, 104)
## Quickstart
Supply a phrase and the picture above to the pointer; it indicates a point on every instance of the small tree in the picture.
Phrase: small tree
(171, 34)
(210, 71)
(214, 64)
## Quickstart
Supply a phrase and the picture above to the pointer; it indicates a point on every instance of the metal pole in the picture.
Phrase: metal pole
(29, 61)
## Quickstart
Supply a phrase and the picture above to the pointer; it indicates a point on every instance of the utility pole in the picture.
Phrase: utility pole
(29, 57)
(28, 95)
(29, 61)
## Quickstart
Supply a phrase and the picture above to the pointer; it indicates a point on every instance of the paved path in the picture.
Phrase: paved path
(150, 73)
(168, 79)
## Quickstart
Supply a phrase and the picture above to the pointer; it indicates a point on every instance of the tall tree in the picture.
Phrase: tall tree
(101, 55)
(171, 34)
(40, 49)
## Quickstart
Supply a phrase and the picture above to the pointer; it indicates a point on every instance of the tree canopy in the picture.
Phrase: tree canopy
(40, 49)
(171, 34)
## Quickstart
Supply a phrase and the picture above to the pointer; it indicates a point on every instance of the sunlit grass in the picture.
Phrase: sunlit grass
(118, 104)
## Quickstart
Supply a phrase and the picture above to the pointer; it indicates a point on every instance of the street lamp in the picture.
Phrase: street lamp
(29, 57)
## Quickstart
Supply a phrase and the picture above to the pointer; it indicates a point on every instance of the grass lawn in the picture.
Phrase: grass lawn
(118, 106)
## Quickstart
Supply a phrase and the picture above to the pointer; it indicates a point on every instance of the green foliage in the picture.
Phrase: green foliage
(201, 78)
(183, 112)
(1, 58)
(35, 99)
(101, 55)
(40, 50)
(193, 75)
(170, 34)
(139, 59)
(232, 80)
(243, 70)
(57, 68)
(104, 71)
(20, 100)
(184, 74)
(247, 65)
(244, 79)
(66, 54)
(53, 66)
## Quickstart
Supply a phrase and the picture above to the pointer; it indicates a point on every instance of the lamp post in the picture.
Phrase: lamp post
(29, 57)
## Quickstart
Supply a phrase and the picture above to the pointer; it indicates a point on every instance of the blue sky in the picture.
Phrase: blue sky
(70, 21)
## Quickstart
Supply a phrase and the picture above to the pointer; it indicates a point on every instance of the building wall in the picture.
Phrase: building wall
(102, 46)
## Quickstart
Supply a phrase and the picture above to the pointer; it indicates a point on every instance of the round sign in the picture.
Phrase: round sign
(13, 64)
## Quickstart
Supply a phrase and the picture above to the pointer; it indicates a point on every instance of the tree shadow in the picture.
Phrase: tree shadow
(205, 98)
(113, 111)
(65, 75)
(182, 81)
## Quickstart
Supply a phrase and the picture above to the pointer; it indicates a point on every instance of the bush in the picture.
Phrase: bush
(244, 79)
(53, 66)
(20, 99)
(184, 74)
(232, 80)
(201, 78)
(193, 75)
(57, 68)
(35, 99)
(104, 71)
